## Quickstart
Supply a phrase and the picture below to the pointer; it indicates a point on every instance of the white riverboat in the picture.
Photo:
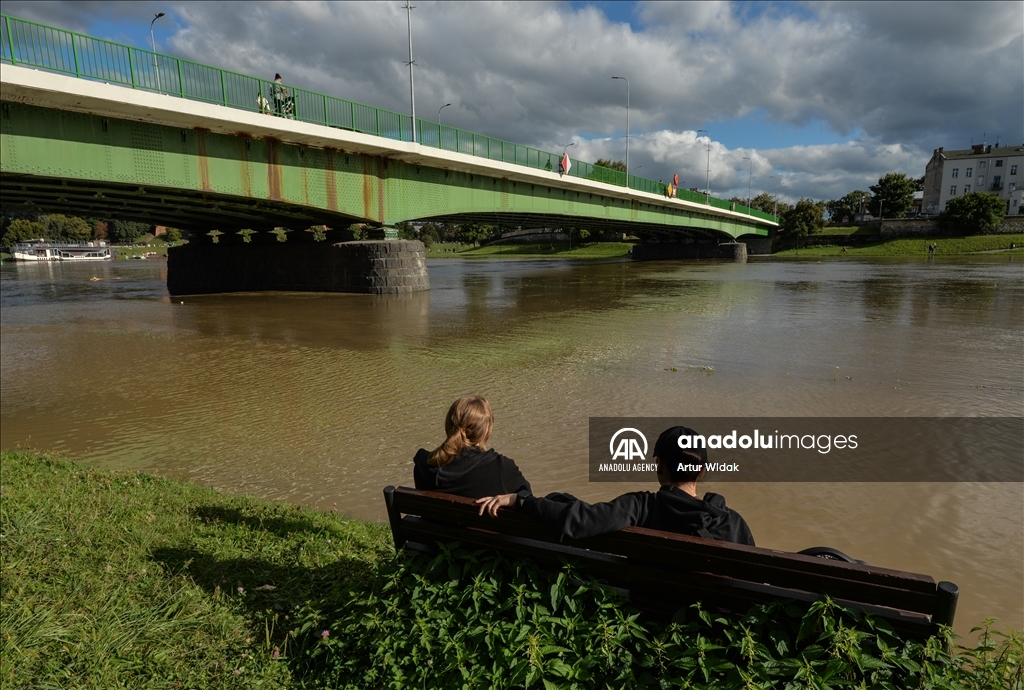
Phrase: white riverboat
(43, 250)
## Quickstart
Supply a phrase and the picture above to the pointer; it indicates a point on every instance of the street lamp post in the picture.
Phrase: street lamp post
(627, 126)
(152, 40)
(409, 7)
(439, 124)
(750, 178)
(775, 198)
(707, 180)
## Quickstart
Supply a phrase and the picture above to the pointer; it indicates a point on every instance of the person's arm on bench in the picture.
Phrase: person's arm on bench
(570, 518)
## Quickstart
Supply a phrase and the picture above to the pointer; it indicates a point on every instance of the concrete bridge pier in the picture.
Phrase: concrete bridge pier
(382, 267)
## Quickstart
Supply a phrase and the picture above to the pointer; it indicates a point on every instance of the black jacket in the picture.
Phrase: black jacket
(669, 509)
(473, 473)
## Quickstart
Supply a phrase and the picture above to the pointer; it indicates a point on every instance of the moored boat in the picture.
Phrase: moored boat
(43, 250)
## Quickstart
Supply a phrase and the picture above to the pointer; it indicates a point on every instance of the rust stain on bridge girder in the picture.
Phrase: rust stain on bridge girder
(204, 160)
(243, 157)
(331, 180)
(367, 186)
(382, 172)
(273, 169)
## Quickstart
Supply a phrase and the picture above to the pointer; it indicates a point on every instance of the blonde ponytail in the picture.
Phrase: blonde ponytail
(468, 423)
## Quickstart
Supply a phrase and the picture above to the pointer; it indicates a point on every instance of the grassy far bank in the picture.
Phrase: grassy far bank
(561, 250)
(127, 580)
(916, 247)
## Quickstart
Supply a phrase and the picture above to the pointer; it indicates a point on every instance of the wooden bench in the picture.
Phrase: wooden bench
(662, 571)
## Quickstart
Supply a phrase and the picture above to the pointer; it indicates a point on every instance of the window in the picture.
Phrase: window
(952, 190)
(1013, 169)
(956, 172)
(997, 180)
(967, 189)
(970, 171)
(981, 164)
(1013, 186)
(981, 180)
(999, 164)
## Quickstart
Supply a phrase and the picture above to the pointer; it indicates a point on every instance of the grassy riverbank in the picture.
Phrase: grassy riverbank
(556, 250)
(127, 580)
(916, 247)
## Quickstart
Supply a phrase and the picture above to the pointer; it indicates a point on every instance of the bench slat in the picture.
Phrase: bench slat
(748, 562)
(679, 568)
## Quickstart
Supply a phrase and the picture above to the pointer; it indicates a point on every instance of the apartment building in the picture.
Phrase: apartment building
(981, 168)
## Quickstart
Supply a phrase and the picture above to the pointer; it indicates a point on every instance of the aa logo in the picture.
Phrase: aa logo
(628, 447)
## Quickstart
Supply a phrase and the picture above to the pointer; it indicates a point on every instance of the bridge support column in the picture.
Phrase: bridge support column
(736, 251)
(375, 267)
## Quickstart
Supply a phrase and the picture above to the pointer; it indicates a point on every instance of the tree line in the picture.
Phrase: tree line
(891, 197)
(57, 227)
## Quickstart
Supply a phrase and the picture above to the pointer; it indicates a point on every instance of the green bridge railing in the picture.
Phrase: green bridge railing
(67, 52)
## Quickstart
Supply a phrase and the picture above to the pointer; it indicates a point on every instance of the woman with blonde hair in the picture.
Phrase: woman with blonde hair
(463, 465)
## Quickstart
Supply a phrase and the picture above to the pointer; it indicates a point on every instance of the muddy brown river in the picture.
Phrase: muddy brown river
(323, 399)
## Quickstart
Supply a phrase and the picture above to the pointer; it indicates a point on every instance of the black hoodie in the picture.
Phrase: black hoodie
(670, 510)
(473, 473)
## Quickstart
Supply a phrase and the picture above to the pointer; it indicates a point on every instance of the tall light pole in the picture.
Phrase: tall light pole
(627, 126)
(750, 177)
(439, 124)
(412, 92)
(775, 197)
(707, 180)
(152, 40)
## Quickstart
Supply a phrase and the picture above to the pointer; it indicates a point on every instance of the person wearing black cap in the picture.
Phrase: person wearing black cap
(674, 508)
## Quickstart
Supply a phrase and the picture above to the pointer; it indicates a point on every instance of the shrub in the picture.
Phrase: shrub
(975, 213)
(460, 619)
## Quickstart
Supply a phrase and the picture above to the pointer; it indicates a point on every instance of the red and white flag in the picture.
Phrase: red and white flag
(565, 164)
(675, 180)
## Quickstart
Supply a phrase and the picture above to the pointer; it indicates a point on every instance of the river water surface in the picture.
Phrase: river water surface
(322, 399)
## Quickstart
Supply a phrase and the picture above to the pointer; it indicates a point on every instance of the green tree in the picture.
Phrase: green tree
(895, 193)
(471, 233)
(21, 229)
(611, 165)
(173, 235)
(406, 231)
(61, 228)
(976, 213)
(846, 206)
(806, 218)
(764, 203)
(127, 231)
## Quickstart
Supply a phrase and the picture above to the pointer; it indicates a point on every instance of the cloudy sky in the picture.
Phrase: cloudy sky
(828, 96)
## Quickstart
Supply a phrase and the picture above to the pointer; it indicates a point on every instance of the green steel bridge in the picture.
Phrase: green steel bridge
(94, 127)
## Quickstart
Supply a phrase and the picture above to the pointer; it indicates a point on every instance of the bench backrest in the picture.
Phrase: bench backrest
(680, 569)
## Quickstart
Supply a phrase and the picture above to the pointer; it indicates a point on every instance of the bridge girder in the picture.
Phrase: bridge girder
(60, 160)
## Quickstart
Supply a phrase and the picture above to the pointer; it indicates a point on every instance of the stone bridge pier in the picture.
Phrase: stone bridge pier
(380, 267)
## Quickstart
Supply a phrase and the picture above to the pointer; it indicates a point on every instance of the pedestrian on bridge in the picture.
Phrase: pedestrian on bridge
(280, 95)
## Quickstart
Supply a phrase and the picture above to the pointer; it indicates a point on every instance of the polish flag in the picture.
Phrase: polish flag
(565, 164)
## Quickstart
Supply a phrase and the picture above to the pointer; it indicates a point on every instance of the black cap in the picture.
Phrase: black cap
(671, 456)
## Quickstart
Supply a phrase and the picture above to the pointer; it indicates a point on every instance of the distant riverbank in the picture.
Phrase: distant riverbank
(947, 246)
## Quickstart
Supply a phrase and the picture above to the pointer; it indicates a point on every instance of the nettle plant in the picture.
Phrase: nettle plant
(461, 619)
